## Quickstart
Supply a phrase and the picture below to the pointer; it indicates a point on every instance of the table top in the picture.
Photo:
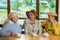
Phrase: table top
(30, 37)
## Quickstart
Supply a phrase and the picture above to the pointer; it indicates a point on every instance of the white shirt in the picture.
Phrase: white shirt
(35, 28)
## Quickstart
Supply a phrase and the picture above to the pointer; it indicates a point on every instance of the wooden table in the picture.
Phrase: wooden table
(24, 36)
(29, 37)
(51, 37)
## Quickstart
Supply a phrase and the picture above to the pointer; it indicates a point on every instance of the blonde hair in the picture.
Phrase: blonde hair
(12, 14)
(52, 14)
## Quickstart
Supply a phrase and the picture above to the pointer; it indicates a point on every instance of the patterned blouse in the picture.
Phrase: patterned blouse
(35, 28)
(51, 29)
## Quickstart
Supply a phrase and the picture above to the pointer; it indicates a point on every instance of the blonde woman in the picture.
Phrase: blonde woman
(11, 26)
(50, 25)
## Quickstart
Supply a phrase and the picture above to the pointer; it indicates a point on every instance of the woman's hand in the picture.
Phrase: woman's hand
(53, 22)
(24, 23)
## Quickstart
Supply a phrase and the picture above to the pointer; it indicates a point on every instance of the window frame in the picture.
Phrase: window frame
(37, 9)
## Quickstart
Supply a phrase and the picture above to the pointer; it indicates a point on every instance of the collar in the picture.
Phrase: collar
(30, 21)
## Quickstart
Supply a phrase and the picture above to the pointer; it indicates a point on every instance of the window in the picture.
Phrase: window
(45, 7)
(3, 10)
(21, 6)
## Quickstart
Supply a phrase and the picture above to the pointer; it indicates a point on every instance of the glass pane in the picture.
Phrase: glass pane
(3, 10)
(46, 6)
(21, 6)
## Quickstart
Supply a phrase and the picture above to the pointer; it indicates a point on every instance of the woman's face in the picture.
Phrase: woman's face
(31, 15)
(14, 19)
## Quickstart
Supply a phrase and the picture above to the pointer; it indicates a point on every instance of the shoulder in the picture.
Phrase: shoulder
(7, 24)
(45, 21)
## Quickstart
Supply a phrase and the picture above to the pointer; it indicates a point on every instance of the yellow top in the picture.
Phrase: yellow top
(51, 29)
(57, 28)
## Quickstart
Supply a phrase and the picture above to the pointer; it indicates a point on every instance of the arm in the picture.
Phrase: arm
(40, 29)
(26, 28)
(43, 25)
(5, 31)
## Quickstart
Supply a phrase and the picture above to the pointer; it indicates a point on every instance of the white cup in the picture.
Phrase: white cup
(34, 34)
(45, 34)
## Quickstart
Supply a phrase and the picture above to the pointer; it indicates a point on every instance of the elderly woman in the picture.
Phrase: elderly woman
(32, 24)
(50, 25)
(11, 27)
